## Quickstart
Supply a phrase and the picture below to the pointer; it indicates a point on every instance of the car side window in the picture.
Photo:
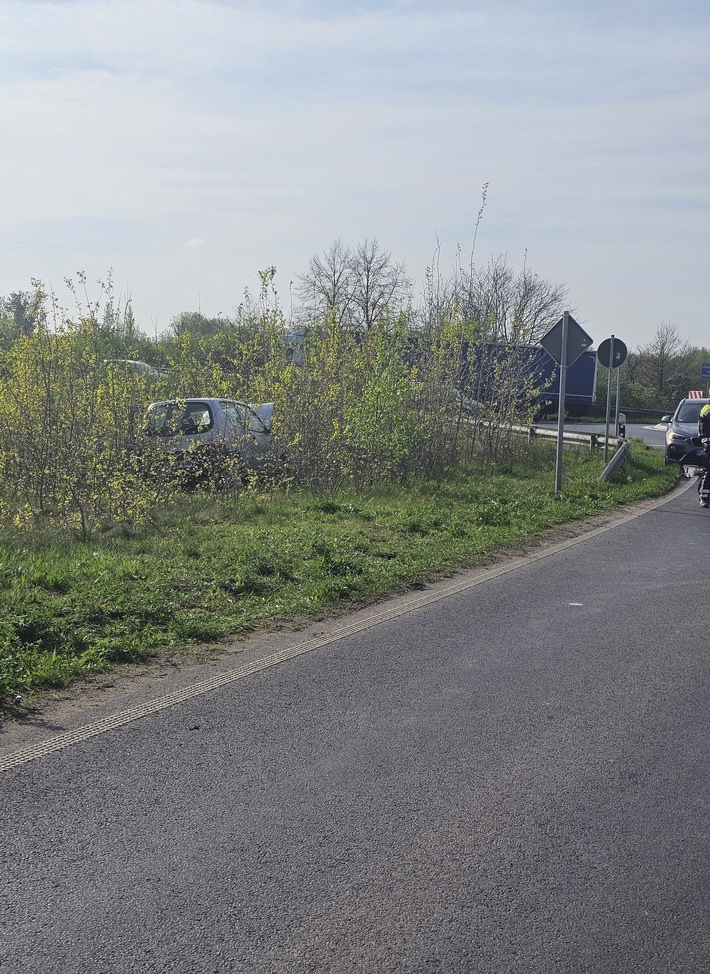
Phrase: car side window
(243, 418)
(178, 419)
(235, 415)
(195, 420)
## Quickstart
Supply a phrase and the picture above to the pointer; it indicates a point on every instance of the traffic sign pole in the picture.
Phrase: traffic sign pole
(612, 354)
(565, 342)
(561, 406)
(608, 400)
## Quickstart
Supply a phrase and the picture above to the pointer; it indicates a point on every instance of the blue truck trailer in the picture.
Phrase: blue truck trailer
(482, 364)
(536, 370)
(580, 383)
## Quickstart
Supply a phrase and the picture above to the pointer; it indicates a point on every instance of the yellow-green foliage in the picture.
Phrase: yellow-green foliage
(66, 432)
(311, 402)
(379, 407)
(374, 409)
(237, 364)
(380, 428)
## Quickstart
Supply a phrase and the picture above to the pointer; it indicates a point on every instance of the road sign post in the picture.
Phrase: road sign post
(565, 342)
(561, 404)
(612, 354)
(608, 402)
(618, 400)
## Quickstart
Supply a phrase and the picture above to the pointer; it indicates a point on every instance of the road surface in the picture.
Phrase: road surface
(653, 435)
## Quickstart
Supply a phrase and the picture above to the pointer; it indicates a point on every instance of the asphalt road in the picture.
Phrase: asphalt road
(653, 435)
(508, 775)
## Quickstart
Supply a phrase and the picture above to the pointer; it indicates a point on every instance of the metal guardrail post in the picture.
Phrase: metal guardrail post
(616, 462)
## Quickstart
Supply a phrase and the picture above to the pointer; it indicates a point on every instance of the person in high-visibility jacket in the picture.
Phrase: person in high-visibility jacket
(704, 433)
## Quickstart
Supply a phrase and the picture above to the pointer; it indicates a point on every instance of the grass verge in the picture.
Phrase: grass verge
(210, 567)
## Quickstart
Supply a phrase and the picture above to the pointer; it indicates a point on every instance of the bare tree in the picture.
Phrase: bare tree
(378, 285)
(510, 308)
(353, 288)
(325, 290)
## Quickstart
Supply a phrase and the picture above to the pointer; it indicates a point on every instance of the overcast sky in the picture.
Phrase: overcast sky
(185, 145)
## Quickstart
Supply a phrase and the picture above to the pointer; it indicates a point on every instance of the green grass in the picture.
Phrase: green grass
(212, 567)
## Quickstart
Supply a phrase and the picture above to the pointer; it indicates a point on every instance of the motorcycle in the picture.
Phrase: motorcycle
(704, 477)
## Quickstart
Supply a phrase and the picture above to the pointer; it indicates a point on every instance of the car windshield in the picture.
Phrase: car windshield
(178, 418)
(688, 412)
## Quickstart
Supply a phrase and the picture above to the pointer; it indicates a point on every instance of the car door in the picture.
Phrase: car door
(246, 434)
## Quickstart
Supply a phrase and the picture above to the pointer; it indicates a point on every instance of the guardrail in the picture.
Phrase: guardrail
(591, 440)
(619, 444)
